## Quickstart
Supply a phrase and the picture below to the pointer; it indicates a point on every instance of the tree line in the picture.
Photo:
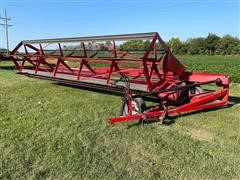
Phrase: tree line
(210, 45)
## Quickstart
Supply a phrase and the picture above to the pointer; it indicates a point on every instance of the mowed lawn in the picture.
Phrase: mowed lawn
(59, 132)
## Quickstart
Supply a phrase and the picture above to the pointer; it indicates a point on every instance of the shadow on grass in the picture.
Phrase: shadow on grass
(234, 100)
(12, 67)
(90, 89)
(119, 94)
(169, 120)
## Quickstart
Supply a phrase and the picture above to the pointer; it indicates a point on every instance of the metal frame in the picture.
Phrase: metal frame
(164, 77)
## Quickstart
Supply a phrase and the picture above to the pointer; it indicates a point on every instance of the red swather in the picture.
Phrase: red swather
(156, 73)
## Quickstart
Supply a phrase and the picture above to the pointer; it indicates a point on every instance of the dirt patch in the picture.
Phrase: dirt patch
(201, 135)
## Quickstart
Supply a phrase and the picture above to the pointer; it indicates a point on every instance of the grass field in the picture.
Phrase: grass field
(229, 65)
(59, 132)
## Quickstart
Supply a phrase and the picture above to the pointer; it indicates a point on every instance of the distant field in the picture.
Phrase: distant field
(60, 132)
(229, 65)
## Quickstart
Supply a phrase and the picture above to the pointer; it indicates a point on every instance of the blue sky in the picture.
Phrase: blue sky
(171, 18)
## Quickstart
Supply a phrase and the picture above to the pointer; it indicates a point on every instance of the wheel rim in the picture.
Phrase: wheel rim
(135, 108)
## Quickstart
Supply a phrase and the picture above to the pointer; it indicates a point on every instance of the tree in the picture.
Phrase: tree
(175, 44)
(146, 43)
(108, 43)
(133, 45)
(228, 45)
(65, 47)
(211, 43)
(196, 45)
(105, 46)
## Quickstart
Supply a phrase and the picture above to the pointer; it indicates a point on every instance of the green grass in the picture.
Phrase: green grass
(59, 132)
(229, 65)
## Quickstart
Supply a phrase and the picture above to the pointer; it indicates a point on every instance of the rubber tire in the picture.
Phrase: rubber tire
(141, 106)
